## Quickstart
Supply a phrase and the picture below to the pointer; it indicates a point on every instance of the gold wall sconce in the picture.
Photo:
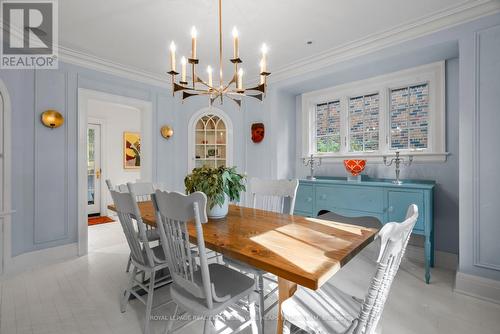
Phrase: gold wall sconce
(166, 131)
(52, 119)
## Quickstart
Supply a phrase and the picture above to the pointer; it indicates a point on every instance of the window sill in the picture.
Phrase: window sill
(418, 157)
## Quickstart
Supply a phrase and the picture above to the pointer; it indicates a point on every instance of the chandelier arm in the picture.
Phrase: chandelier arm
(187, 88)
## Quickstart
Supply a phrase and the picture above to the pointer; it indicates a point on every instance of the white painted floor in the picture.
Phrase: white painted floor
(82, 296)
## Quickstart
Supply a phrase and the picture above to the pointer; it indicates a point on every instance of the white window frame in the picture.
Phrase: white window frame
(432, 74)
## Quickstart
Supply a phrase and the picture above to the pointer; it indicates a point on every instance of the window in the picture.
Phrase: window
(402, 111)
(409, 117)
(364, 123)
(210, 142)
(328, 127)
(210, 139)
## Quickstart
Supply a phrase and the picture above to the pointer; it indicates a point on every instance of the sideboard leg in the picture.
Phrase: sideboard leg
(427, 259)
(432, 249)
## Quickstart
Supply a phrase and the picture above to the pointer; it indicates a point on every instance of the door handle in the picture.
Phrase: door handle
(98, 173)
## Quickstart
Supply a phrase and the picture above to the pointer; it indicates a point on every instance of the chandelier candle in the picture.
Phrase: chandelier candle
(239, 84)
(172, 56)
(236, 40)
(183, 70)
(194, 34)
(233, 88)
(263, 68)
(209, 71)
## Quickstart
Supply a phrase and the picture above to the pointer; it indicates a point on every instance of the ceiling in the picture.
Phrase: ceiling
(136, 33)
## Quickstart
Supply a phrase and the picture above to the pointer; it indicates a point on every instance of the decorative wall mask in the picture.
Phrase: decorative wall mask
(258, 132)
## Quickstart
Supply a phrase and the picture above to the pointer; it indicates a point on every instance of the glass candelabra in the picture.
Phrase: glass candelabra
(312, 163)
(397, 161)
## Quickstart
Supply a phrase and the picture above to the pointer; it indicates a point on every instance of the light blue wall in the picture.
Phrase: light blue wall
(44, 161)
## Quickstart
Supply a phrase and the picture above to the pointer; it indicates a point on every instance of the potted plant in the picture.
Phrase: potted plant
(221, 185)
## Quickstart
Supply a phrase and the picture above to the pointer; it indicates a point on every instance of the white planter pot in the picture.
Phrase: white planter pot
(218, 211)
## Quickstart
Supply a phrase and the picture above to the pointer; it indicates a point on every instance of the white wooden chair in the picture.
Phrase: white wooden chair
(120, 188)
(330, 310)
(201, 289)
(144, 258)
(270, 195)
(144, 191)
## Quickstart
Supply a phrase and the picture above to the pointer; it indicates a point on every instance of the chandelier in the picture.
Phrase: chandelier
(216, 88)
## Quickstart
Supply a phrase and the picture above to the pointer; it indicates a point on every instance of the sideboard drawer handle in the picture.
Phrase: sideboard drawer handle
(391, 209)
(309, 199)
(322, 196)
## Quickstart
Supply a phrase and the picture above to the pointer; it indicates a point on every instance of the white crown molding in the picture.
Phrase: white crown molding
(452, 16)
(87, 60)
(447, 18)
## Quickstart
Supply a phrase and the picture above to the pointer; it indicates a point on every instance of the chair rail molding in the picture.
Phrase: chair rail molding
(146, 110)
(6, 206)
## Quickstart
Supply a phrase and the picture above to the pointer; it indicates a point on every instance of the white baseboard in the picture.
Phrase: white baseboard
(36, 259)
(478, 287)
(443, 260)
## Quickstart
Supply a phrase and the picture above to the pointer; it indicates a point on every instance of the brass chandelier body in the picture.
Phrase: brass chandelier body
(233, 89)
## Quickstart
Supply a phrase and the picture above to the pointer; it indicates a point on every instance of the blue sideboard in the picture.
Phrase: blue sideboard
(372, 197)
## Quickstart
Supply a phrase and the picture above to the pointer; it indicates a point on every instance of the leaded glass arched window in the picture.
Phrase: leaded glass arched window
(210, 141)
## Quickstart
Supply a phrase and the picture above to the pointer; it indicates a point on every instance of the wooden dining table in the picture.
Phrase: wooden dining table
(298, 250)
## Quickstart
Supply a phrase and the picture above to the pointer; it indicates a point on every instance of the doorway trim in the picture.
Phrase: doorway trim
(7, 179)
(146, 110)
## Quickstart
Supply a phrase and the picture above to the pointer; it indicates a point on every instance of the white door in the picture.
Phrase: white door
(94, 169)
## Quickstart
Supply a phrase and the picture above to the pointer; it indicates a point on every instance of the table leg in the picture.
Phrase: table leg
(286, 289)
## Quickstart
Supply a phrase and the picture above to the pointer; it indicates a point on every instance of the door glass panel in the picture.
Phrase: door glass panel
(91, 166)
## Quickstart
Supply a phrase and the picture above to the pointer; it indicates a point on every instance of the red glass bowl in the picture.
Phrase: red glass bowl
(355, 167)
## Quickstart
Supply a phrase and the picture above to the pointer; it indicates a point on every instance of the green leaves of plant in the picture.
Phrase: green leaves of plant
(216, 183)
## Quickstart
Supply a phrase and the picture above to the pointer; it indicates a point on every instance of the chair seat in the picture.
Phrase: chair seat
(159, 254)
(246, 268)
(325, 311)
(226, 281)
